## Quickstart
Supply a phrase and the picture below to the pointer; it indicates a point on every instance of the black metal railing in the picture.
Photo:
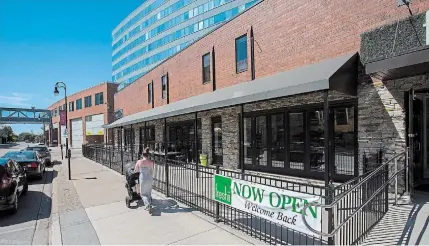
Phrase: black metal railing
(359, 204)
(192, 185)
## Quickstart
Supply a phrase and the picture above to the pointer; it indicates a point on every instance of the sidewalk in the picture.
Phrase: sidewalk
(91, 210)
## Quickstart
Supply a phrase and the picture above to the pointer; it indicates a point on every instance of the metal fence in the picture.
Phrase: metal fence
(192, 185)
(359, 204)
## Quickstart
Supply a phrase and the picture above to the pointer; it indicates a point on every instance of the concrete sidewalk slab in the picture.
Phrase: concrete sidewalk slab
(139, 227)
(215, 236)
(80, 234)
(101, 187)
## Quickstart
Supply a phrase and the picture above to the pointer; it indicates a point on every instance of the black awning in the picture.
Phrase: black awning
(337, 74)
(406, 65)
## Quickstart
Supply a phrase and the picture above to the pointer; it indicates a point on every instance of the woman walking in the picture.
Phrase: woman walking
(145, 168)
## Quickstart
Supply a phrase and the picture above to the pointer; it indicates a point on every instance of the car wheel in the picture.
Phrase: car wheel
(40, 176)
(15, 205)
(25, 189)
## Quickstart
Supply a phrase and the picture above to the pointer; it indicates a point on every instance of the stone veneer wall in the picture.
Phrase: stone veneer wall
(382, 115)
(298, 100)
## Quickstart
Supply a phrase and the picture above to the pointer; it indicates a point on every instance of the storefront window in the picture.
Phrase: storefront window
(344, 140)
(316, 132)
(181, 140)
(277, 140)
(261, 140)
(293, 142)
(297, 140)
(248, 141)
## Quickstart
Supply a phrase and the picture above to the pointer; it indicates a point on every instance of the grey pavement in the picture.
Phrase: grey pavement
(92, 212)
(30, 225)
(403, 224)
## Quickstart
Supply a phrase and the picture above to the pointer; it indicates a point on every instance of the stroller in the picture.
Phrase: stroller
(132, 180)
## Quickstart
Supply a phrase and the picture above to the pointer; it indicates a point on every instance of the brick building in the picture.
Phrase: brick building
(88, 111)
(286, 87)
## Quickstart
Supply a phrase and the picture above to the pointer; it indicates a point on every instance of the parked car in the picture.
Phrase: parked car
(44, 152)
(13, 184)
(30, 160)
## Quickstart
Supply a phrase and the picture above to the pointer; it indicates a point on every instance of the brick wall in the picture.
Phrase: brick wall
(287, 34)
(108, 90)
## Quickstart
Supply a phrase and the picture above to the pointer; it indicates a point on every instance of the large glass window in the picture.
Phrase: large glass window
(99, 98)
(277, 140)
(164, 86)
(261, 140)
(206, 68)
(345, 140)
(149, 92)
(79, 104)
(316, 132)
(241, 53)
(297, 140)
(88, 101)
(181, 140)
(248, 142)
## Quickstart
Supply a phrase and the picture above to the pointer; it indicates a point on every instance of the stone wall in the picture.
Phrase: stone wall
(230, 135)
(382, 115)
(292, 101)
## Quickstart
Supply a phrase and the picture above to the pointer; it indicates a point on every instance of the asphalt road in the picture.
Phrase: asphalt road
(30, 225)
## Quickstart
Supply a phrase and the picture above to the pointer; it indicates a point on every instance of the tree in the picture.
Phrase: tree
(6, 133)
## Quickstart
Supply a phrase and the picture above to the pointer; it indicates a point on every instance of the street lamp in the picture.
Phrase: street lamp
(43, 131)
(56, 93)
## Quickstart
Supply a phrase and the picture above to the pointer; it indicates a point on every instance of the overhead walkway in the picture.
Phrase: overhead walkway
(24, 116)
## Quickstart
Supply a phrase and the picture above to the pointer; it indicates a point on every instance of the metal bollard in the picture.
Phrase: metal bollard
(62, 155)
(69, 156)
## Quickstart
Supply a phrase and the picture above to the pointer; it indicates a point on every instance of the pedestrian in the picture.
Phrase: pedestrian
(145, 168)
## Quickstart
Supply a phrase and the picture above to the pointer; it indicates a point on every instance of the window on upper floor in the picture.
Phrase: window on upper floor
(241, 53)
(60, 108)
(71, 106)
(206, 68)
(164, 86)
(99, 98)
(79, 104)
(149, 92)
(64, 107)
(88, 101)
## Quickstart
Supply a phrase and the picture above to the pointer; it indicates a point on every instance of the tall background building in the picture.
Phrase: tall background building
(159, 29)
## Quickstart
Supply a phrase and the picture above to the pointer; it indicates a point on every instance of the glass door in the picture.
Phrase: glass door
(425, 142)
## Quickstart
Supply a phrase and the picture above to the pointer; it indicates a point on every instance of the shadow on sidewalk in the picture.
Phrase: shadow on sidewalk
(161, 206)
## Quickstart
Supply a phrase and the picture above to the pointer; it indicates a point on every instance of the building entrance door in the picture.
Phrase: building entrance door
(418, 139)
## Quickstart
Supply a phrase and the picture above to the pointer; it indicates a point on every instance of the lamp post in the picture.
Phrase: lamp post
(44, 129)
(56, 93)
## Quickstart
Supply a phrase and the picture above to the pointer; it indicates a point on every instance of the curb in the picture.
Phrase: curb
(55, 232)
(55, 237)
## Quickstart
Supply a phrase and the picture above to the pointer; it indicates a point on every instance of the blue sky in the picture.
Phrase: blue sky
(45, 41)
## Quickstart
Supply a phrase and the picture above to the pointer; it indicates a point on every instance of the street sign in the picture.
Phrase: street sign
(65, 133)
